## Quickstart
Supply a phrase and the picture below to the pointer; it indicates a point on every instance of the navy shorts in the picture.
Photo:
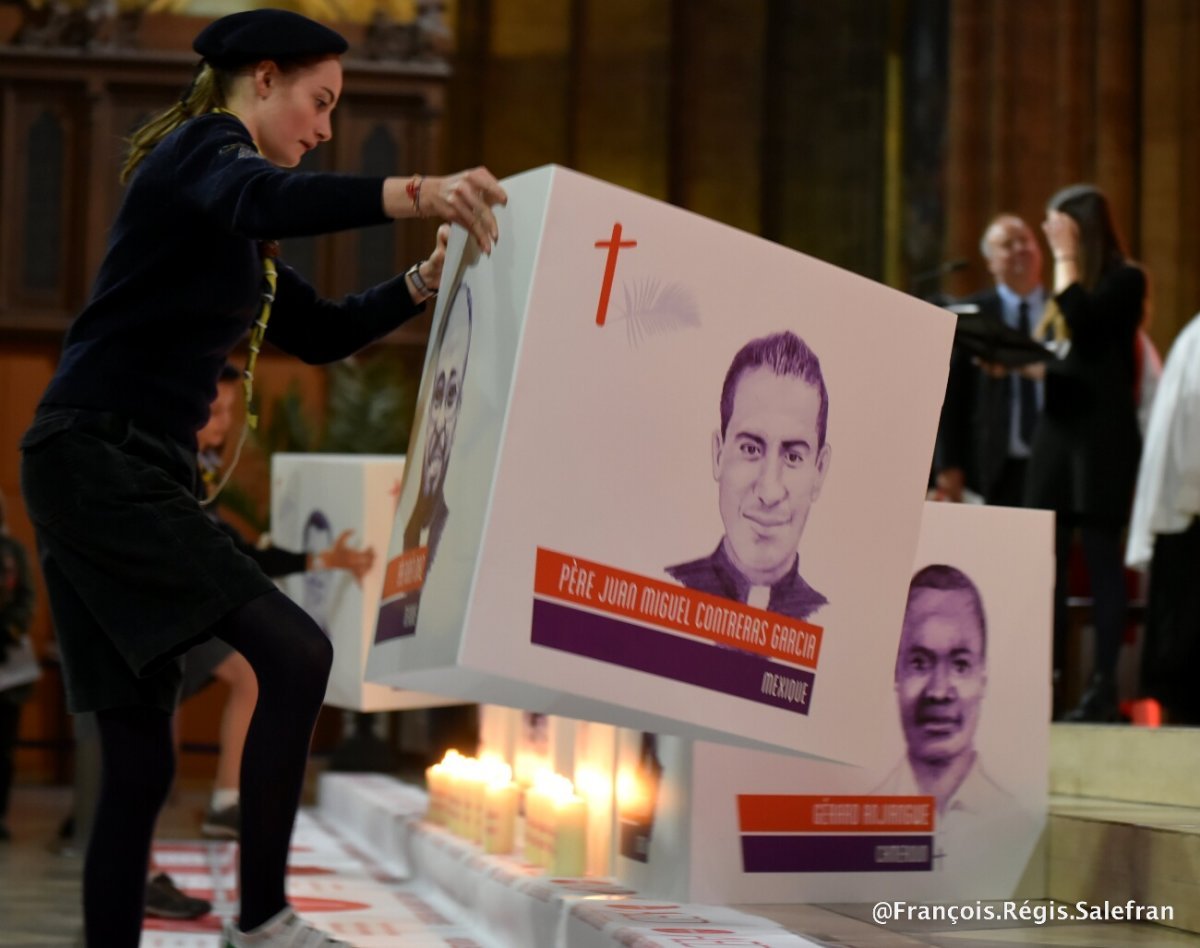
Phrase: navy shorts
(136, 571)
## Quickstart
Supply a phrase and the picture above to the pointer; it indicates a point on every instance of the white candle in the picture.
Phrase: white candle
(435, 783)
(536, 817)
(539, 816)
(473, 787)
(499, 817)
(456, 767)
(570, 837)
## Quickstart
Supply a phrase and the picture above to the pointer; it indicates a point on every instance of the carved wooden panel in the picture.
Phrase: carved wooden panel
(43, 133)
(64, 121)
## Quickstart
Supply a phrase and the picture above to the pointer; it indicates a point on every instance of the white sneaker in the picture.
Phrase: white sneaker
(285, 930)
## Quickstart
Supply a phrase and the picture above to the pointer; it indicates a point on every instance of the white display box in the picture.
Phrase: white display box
(314, 498)
(659, 924)
(375, 813)
(581, 533)
(706, 822)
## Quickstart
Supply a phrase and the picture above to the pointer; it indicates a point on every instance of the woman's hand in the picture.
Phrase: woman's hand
(1062, 234)
(343, 556)
(465, 198)
(431, 267)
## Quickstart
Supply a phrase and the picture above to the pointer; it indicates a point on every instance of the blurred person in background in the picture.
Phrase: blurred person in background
(1084, 457)
(991, 411)
(1164, 533)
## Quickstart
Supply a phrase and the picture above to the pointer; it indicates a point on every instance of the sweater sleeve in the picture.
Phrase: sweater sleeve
(273, 561)
(1113, 310)
(320, 331)
(220, 173)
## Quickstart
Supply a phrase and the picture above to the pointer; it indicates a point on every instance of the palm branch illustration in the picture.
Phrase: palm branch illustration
(651, 308)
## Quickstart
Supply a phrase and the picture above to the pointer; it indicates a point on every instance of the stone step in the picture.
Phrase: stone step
(1124, 824)
(1126, 763)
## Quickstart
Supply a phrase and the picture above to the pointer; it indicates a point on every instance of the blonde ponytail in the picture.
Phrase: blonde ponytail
(206, 93)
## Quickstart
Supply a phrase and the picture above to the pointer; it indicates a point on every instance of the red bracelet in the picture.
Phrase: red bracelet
(413, 190)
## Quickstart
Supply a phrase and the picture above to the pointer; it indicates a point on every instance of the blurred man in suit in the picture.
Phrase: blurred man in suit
(990, 412)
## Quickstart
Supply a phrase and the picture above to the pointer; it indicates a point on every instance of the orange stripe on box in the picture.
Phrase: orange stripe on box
(405, 573)
(669, 606)
(788, 813)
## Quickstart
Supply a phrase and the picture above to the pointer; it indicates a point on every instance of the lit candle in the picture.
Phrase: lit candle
(597, 789)
(535, 825)
(468, 782)
(456, 770)
(539, 816)
(499, 816)
(527, 766)
(435, 783)
(440, 782)
(484, 772)
(570, 837)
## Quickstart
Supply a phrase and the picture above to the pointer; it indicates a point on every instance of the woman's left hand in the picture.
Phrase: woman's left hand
(431, 268)
(1062, 234)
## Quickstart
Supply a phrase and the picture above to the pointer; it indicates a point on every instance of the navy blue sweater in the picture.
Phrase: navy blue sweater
(180, 282)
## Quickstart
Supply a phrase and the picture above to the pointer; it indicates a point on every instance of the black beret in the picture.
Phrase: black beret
(254, 35)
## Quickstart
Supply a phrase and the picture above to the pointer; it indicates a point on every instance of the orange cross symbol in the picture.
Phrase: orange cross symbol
(614, 246)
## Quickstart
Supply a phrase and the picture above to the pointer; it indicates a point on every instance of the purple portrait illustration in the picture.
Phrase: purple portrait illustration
(941, 681)
(770, 456)
(317, 598)
(427, 522)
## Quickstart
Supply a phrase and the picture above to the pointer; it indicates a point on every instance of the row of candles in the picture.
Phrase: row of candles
(478, 800)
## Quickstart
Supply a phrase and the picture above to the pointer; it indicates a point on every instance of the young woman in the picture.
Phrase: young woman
(1084, 457)
(136, 571)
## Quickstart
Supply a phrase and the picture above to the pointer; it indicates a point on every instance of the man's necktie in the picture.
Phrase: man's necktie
(1026, 387)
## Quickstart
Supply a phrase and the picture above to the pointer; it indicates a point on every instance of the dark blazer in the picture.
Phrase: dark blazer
(977, 413)
(1085, 451)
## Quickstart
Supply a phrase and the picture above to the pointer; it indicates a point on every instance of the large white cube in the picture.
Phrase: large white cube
(314, 498)
(712, 823)
(580, 532)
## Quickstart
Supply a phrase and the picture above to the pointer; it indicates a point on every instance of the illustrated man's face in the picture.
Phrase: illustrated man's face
(941, 675)
(317, 539)
(769, 470)
(446, 399)
(220, 418)
(1014, 256)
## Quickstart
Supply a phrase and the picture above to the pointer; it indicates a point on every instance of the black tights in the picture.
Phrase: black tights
(291, 658)
(1103, 553)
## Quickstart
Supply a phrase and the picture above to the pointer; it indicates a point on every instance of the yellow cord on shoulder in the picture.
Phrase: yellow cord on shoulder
(268, 250)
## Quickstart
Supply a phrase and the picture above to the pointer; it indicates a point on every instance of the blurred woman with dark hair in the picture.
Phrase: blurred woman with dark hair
(1084, 456)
